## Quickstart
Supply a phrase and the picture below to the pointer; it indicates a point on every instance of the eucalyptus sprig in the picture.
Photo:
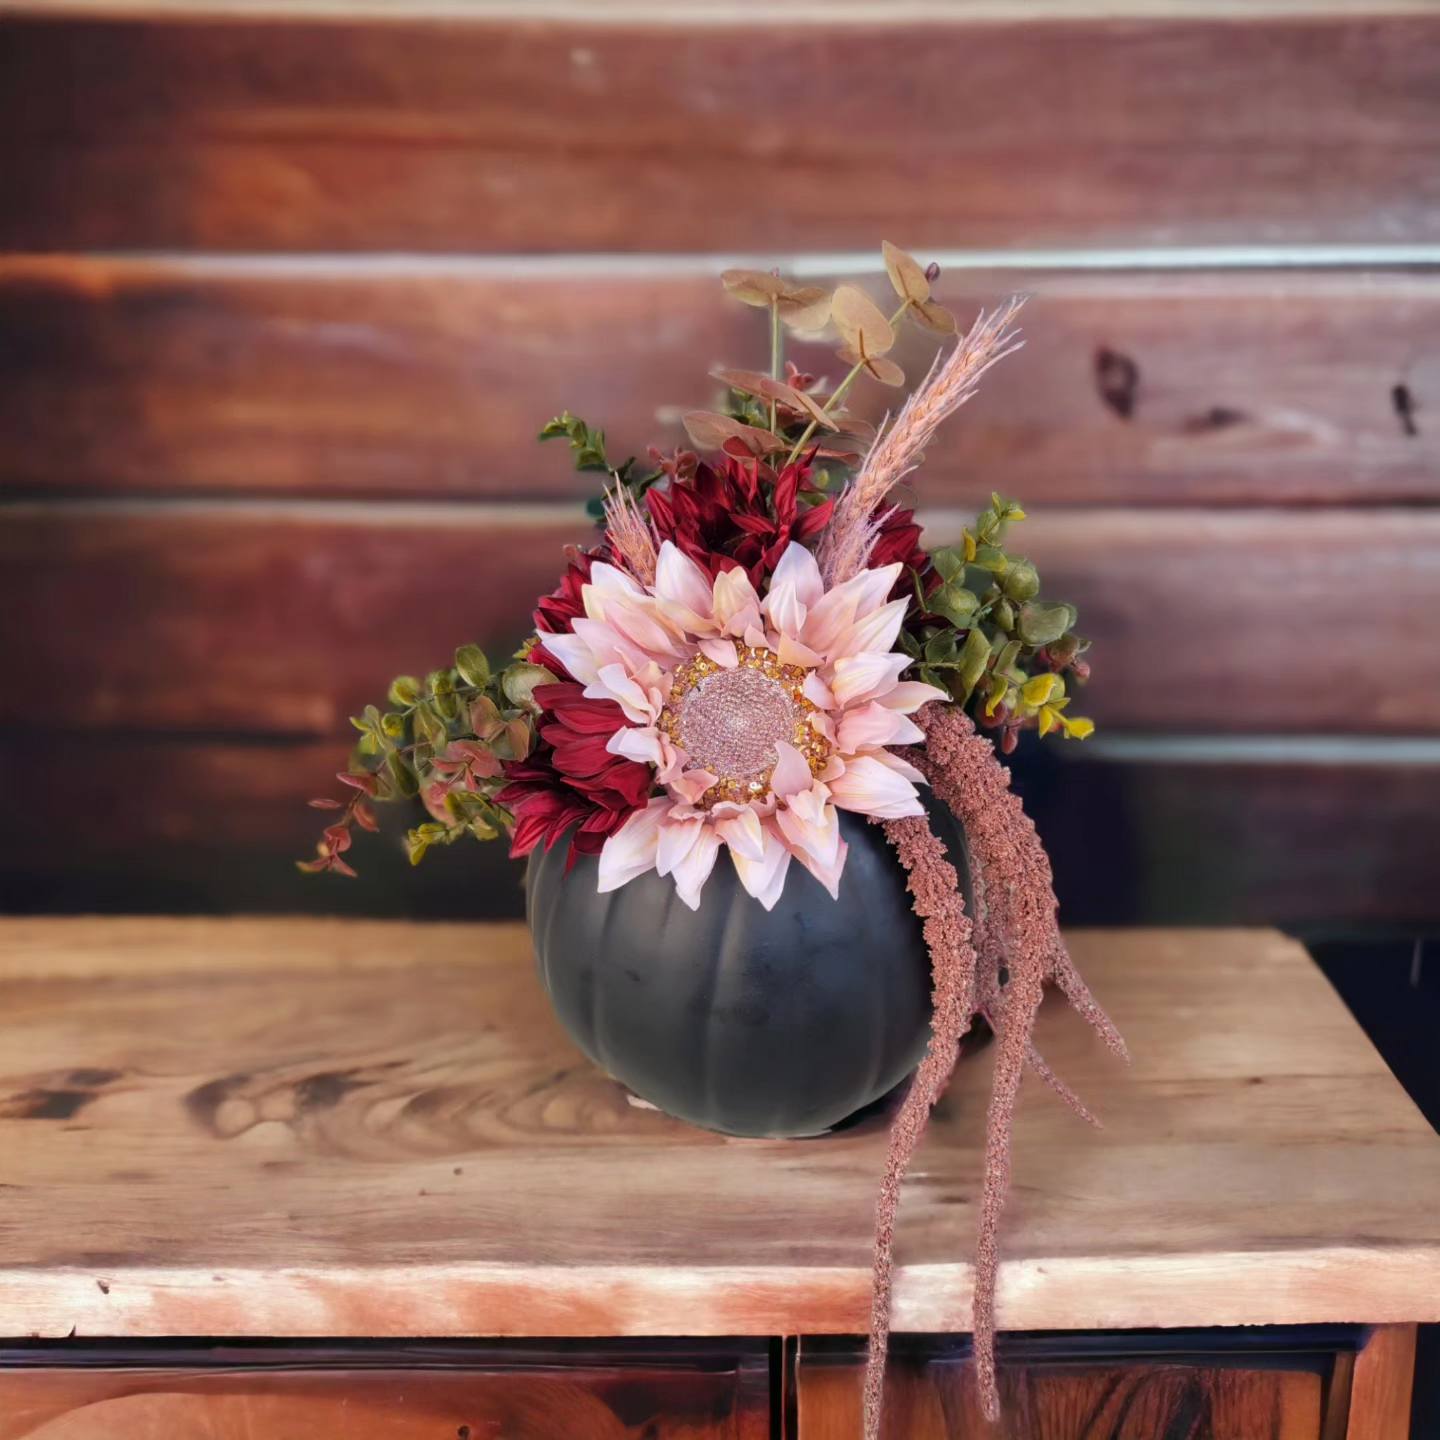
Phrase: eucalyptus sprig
(986, 634)
(445, 738)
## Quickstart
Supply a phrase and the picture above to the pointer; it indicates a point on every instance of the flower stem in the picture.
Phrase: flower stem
(777, 347)
(839, 395)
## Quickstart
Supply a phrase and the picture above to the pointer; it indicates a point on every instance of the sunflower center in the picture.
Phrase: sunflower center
(729, 720)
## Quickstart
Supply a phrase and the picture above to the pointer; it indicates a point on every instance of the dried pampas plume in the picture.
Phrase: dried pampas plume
(850, 536)
(994, 964)
(630, 533)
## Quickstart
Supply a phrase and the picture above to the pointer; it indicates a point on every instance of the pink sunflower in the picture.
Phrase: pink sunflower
(760, 718)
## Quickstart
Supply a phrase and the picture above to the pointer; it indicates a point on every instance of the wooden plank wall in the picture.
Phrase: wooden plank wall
(285, 295)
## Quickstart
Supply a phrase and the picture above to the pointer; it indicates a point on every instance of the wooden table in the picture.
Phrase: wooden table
(365, 1162)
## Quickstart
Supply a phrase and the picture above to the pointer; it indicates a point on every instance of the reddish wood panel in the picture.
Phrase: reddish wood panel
(937, 1400)
(1381, 1385)
(428, 378)
(504, 133)
(282, 620)
(190, 825)
(569, 1394)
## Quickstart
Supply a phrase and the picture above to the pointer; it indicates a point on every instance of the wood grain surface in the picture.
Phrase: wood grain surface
(321, 1128)
(560, 1396)
(503, 133)
(283, 620)
(429, 378)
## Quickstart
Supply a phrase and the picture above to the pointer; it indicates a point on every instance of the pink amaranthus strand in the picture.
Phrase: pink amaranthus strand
(935, 889)
(997, 966)
(846, 544)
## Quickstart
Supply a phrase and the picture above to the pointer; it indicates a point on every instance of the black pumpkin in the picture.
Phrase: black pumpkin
(738, 1019)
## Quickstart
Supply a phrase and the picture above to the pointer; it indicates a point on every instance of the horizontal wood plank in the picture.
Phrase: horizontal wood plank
(382, 1138)
(283, 619)
(165, 825)
(430, 379)
(506, 133)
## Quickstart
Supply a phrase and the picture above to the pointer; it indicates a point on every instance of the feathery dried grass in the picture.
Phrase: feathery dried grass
(951, 381)
(631, 534)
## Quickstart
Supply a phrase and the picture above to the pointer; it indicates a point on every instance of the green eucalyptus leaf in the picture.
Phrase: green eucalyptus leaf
(519, 682)
(404, 690)
(957, 604)
(943, 648)
(1004, 616)
(974, 656)
(991, 558)
(1021, 581)
(949, 561)
(1042, 624)
(473, 667)
(402, 775)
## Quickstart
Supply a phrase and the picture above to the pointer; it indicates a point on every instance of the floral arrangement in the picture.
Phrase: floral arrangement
(756, 641)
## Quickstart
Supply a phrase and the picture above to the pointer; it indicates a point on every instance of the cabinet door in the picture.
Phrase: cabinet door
(275, 1395)
(1075, 1390)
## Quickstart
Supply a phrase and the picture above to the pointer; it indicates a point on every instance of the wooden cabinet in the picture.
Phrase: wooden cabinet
(456, 1393)
(316, 1141)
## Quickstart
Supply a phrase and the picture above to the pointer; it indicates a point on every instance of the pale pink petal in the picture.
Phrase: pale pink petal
(845, 604)
(827, 618)
(693, 869)
(817, 692)
(679, 579)
(861, 677)
(690, 785)
(640, 743)
(631, 850)
(646, 632)
(756, 638)
(870, 725)
(792, 652)
(765, 878)
(784, 609)
(743, 834)
(873, 587)
(899, 766)
(822, 724)
(574, 654)
(734, 603)
(609, 646)
(722, 652)
(816, 834)
(827, 873)
(907, 696)
(677, 837)
(792, 772)
(608, 581)
(875, 633)
(798, 567)
(871, 788)
(612, 683)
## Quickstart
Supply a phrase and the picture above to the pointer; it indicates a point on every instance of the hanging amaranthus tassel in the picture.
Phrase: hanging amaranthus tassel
(997, 968)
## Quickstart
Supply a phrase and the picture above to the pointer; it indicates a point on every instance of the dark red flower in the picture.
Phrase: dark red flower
(571, 779)
(739, 513)
(554, 613)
